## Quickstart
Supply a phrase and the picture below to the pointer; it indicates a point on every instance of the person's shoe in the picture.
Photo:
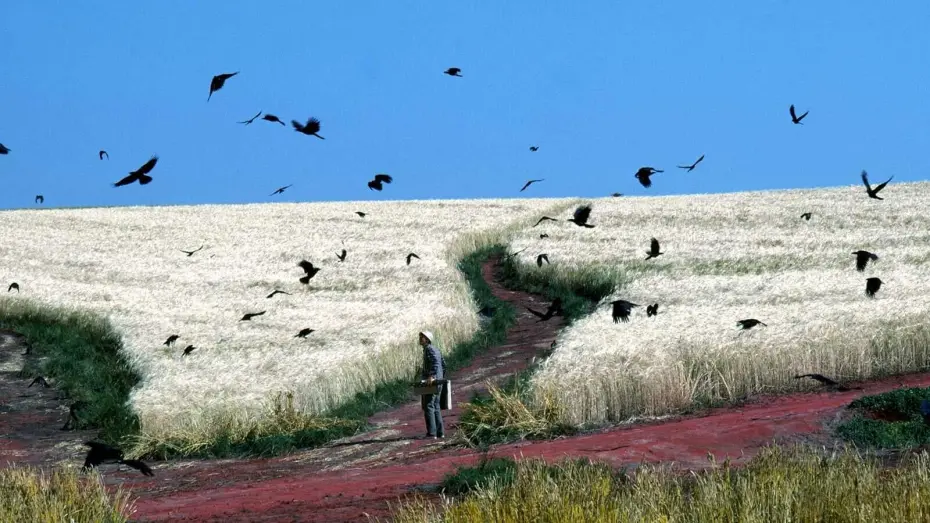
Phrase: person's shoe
(428, 436)
(441, 436)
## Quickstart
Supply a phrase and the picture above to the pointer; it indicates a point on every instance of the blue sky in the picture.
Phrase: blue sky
(602, 87)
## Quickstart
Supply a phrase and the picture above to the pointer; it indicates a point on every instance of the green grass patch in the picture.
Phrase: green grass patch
(28, 494)
(467, 479)
(890, 420)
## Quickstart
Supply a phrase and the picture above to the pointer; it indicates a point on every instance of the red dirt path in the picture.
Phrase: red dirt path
(356, 477)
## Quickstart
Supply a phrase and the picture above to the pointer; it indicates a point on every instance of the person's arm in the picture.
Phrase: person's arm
(435, 360)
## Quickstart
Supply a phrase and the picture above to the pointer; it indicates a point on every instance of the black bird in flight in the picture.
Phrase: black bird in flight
(555, 309)
(693, 165)
(273, 118)
(453, 71)
(544, 218)
(748, 324)
(218, 82)
(103, 153)
(360, 213)
(862, 259)
(280, 190)
(3, 149)
(303, 333)
(12, 286)
(249, 315)
(250, 120)
(342, 255)
(40, 198)
(140, 174)
(171, 339)
(622, 310)
(617, 194)
(277, 291)
(379, 179)
(652, 310)
(527, 184)
(580, 218)
(311, 128)
(643, 175)
(543, 235)
(541, 258)
(534, 148)
(411, 256)
(100, 453)
(794, 117)
(827, 382)
(653, 251)
(191, 253)
(871, 286)
(873, 191)
(806, 216)
(189, 349)
(39, 380)
(309, 269)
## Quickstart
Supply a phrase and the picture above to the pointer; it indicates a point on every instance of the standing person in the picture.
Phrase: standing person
(433, 369)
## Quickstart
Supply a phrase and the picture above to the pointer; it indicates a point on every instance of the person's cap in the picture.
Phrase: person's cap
(428, 334)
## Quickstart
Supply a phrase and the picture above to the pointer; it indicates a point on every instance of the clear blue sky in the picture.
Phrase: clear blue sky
(602, 87)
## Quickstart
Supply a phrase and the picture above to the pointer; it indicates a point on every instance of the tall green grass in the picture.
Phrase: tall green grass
(797, 484)
(30, 495)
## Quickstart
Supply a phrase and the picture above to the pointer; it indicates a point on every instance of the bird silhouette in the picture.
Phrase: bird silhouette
(311, 128)
(534, 148)
(806, 216)
(873, 191)
(617, 194)
(171, 339)
(73, 415)
(862, 259)
(360, 214)
(453, 71)
(40, 381)
(40, 198)
(531, 182)
(277, 291)
(411, 256)
(249, 315)
(621, 310)
(543, 235)
(252, 119)
(218, 82)
(653, 251)
(554, 309)
(309, 269)
(580, 218)
(189, 349)
(693, 165)
(101, 453)
(541, 258)
(827, 382)
(748, 324)
(643, 175)
(140, 175)
(871, 286)
(303, 333)
(273, 118)
(280, 190)
(545, 218)
(795, 118)
(12, 286)
(379, 179)
(4, 149)
(103, 153)
(342, 255)
(652, 310)
(191, 253)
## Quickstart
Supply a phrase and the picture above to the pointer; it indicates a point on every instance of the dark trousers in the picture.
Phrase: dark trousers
(433, 414)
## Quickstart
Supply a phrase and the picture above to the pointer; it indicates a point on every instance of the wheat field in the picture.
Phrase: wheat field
(125, 264)
(730, 257)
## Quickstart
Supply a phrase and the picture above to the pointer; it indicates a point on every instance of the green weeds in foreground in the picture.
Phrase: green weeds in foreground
(891, 420)
(28, 494)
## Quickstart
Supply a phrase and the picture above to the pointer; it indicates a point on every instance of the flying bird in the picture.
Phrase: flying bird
(544, 218)
(189, 349)
(621, 310)
(273, 118)
(580, 218)
(748, 324)
(453, 71)
(103, 153)
(100, 453)
(252, 119)
(218, 82)
(862, 259)
(543, 235)
(40, 198)
(360, 213)
(653, 251)
(643, 175)
(311, 128)
(249, 315)
(280, 190)
(39, 380)
(379, 179)
(693, 165)
(871, 286)
(303, 333)
(541, 258)
(527, 184)
(873, 191)
(827, 382)
(342, 255)
(617, 194)
(794, 117)
(191, 253)
(806, 216)
(411, 256)
(171, 339)
(12, 286)
(652, 310)
(277, 291)
(140, 174)
(3, 149)
(554, 309)
(309, 269)
(534, 148)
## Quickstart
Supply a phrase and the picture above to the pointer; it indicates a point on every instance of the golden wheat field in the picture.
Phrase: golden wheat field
(125, 264)
(729, 257)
